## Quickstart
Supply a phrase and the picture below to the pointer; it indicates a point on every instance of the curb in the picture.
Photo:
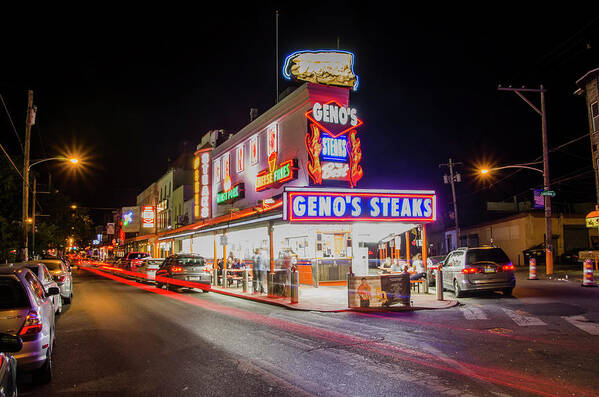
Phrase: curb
(452, 303)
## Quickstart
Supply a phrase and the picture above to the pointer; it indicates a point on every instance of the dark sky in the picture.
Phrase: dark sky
(130, 86)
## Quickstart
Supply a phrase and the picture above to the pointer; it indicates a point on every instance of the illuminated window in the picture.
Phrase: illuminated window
(240, 158)
(272, 139)
(254, 150)
(226, 166)
(217, 170)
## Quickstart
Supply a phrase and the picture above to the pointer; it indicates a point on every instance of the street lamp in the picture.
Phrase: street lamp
(26, 201)
(548, 252)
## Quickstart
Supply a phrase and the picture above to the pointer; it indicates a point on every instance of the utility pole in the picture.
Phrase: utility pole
(277, 55)
(546, 186)
(28, 122)
(453, 178)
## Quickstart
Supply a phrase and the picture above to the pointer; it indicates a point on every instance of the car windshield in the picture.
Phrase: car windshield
(12, 294)
(137, 256)
(53, 265)
(486, 255)
(191, 261)
(155, 261)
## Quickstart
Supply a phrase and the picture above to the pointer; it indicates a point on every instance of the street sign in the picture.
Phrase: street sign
(550, 193)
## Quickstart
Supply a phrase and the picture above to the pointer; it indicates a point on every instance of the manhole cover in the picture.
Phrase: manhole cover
(549, 309)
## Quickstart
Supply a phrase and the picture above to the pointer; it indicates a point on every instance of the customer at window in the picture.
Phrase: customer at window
(259, 272)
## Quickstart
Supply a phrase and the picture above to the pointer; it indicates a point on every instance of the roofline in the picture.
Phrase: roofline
(587, 75)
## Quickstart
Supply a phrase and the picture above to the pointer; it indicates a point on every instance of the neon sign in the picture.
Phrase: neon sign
(347, 205)
(330, 67)
(147, 216)
(272, 139)
(332, 137)
(231, 193)
(274, 176)
(253, 150)
(201, 184)
(127, 218)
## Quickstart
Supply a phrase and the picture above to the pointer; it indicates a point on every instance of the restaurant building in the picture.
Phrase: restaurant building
(287, 184)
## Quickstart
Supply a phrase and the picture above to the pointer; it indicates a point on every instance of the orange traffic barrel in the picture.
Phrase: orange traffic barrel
(532, 269)
(587, 274)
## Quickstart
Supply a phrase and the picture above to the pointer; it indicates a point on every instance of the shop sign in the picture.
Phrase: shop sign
(110, 228)
(231, 194)
(332, 137)
(592, 219)
(275, 175)
(347, 205)
(147, 216)
(329, 67)
(131, 219)
(201, 184)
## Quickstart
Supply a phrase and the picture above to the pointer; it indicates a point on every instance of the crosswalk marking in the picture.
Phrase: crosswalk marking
(582, 323)
(523, 319)
(473, 313)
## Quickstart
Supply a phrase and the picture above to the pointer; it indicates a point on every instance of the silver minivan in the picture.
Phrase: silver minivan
(478, 269)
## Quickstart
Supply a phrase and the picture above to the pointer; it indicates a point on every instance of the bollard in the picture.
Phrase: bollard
(439, 284)
(294, 286)
(532, 269)
(587, 274)
(215, 275)
(245, 280)
(271, 285)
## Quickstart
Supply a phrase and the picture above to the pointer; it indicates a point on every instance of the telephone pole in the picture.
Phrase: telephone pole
(546, 186)
(453, 178)
(28, 123)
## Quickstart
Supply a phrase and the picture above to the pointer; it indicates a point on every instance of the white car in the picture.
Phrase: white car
(63, 277)
(42, 273)
(148, 267)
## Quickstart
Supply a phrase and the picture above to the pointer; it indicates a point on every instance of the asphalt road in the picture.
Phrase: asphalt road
(122, 338)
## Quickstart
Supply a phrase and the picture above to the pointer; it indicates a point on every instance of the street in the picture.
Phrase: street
(121, 337)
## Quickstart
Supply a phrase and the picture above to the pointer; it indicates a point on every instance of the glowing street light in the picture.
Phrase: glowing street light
(525, 166)
(74, 206)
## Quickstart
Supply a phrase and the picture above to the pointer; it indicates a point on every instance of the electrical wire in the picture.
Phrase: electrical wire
(12, 124)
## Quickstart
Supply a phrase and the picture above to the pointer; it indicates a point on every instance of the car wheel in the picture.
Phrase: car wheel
(43, 375)
(159, 285)
(507, 291)
(457, 290)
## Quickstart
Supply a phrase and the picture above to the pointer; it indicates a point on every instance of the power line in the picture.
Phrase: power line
(10, 160)
(11, 123)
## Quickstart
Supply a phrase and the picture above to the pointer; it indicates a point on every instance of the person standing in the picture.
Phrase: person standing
(258, 271)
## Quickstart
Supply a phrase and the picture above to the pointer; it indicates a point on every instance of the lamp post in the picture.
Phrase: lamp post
(548, 236)
(26, 201)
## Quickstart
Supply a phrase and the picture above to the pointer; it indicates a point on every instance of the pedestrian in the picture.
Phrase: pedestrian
(258, 272)
(418, 267)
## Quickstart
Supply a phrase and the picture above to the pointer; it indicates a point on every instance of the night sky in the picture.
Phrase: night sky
(129, 87)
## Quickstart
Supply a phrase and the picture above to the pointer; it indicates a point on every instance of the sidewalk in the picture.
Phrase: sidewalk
(560, 273)
(334, 299)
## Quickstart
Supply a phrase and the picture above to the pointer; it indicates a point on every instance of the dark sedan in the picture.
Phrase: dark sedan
(183, 267)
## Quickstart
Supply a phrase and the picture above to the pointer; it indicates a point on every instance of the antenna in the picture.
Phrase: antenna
(277, 55)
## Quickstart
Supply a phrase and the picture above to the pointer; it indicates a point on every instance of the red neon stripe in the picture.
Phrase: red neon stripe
(514, 380)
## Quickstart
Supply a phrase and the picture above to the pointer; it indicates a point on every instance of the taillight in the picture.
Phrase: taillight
(32, 324)
(61, 279)
(508, 267)
(469, 270)
(176, 269)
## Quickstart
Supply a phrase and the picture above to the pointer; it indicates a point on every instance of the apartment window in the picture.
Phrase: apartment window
(226, 166)
(240, 159)
(254, 150)
(272, 139)
(217, 172)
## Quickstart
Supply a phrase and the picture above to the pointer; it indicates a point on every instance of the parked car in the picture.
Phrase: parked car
(478, 269)
(8, 364)
(41, 272)
(432, 267)
(26, 310)
(186, 267)
(537, 252)
(63, 277)
(132, 260)
(149, 266)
